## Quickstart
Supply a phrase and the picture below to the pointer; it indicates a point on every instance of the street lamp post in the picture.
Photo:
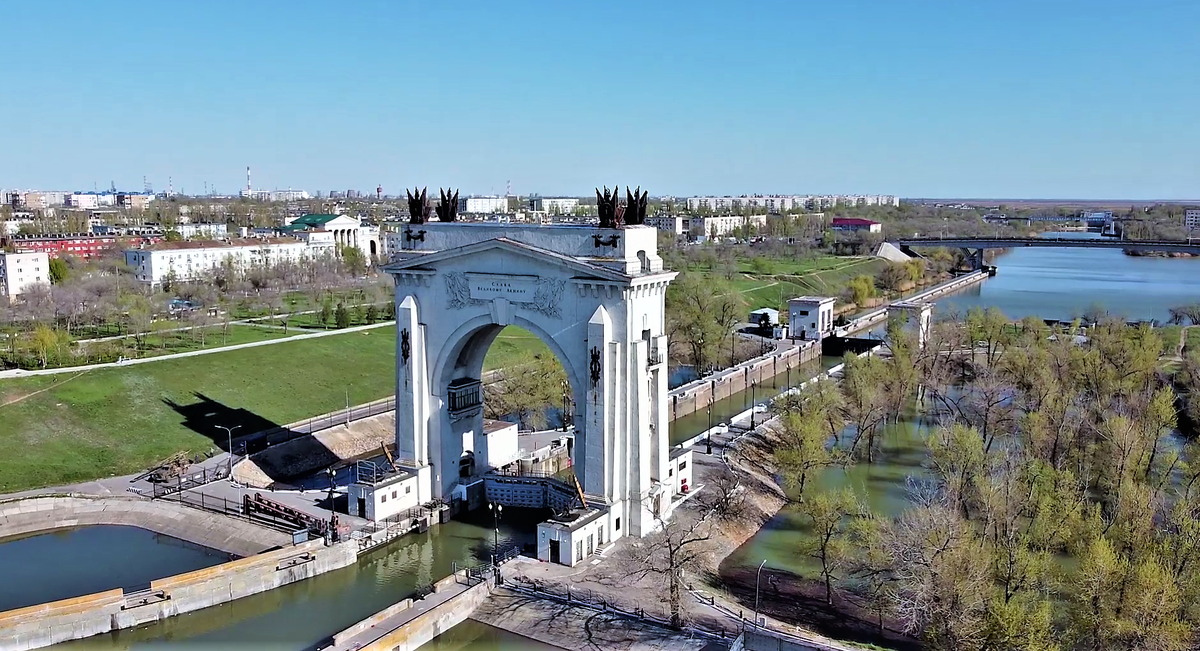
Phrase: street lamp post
(756, 578)
(229, 433)
(753, 404)
(496, 510)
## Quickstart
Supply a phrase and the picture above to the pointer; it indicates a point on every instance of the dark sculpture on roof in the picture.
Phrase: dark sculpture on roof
(418, 206)
(635, 206)
(611, 213)
(447, 208)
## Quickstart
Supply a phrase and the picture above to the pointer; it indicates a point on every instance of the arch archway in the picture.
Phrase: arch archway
(595, 297)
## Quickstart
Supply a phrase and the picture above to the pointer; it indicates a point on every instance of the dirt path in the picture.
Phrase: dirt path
(30, 395)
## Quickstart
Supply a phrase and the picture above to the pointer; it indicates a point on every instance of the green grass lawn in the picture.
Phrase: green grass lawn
(513, 346)
(1192, 341)
(154, 345)
(68, 428)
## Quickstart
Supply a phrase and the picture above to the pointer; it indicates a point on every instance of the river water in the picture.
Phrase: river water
(1066, 283)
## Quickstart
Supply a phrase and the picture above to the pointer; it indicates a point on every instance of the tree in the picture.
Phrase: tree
(372, 314)
(58, 271)
(326, 314)
(353, 259)
(680, 542)
(808, 421)
(829, 515)
(861, 289)
(46, 340)
(526, 391)
(341, 316)
(701, 312)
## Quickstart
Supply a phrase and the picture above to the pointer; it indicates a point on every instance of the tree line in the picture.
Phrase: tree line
(1060, 511)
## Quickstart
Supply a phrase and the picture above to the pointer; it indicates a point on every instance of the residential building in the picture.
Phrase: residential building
(854, 224)
(83, 245)
(21, 270)
(88, 200)
(560, 205)
(276, 195)
(485, 205)
(202, 231)
(134, 200)
(195, 260)
(1191, 218)
(810, 318)
(34, 200)
(669, 223)
(721, 225)
(784, 203)
(13, 226)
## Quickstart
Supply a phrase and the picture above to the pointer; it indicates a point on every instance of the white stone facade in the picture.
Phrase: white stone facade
(195, 260)
(594, 296)
(810, 318)
(20, 271)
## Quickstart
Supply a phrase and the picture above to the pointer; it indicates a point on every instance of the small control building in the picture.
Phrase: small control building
(810, 318)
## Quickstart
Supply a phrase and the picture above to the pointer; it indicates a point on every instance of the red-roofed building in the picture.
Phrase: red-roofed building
(855, 224)
(83, 245)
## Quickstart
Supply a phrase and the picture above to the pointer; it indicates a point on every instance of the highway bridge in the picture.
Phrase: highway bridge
(974, 246)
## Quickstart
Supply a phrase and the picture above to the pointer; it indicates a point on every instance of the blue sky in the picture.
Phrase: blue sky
(1095, 99)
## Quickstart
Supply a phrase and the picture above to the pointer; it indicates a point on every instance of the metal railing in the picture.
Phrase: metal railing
(228, 507)
(189, 481)
(263, 439)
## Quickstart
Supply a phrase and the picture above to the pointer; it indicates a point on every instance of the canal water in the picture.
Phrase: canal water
(91, 559)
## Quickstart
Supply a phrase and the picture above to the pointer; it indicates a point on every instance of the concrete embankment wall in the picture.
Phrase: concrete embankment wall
(70, 619)
(699, 394)
(411, 633)
(879, 316)
(48, 512)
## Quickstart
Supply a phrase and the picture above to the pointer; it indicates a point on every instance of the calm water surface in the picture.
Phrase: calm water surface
(92, 559)
(1065, 283)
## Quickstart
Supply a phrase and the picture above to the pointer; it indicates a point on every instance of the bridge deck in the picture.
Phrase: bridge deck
(1167, 246)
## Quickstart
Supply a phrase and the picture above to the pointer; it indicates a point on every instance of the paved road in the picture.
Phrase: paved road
(16, 372)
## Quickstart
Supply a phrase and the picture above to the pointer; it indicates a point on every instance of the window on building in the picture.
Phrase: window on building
(393, 494)
(670, 471)
(578, 551)
(682, 465)
(617, 524)
(407, 490)
(383, 498)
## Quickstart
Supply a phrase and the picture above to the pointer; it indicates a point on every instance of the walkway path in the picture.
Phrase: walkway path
(14, 373)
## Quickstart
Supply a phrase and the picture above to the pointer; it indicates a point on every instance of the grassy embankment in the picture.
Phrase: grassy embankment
(67, 428)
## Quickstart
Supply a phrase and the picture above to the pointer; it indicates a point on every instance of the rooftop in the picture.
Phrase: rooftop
(220, 244)
(313, 220)
(812, 299)
(853, 221)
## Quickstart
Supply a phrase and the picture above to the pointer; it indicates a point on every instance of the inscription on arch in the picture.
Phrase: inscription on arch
(542, 295)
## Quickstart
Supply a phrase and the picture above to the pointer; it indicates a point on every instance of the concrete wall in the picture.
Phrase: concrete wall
(697, 395)
(46, 624)
(47, 512)
(430, 624)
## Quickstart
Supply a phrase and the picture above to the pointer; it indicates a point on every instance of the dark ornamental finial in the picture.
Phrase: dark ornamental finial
(635, 206)
(611, 214)
(418, 206)
(447, 208)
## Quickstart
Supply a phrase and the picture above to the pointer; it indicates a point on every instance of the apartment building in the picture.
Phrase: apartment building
(21, 270)
(195, 260)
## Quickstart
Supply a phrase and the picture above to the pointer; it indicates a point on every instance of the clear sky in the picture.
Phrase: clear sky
(920, 98)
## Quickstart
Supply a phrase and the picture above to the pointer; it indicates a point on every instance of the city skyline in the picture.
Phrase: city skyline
(1015, 101)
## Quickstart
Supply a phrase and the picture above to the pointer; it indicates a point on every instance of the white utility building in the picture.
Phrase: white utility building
(810, 318)
(21, 270)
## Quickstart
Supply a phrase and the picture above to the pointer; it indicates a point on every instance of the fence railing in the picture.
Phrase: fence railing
(228, 507)
(263, 439)
(190, 481)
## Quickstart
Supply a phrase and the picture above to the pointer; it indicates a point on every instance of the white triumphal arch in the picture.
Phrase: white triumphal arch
(595, 296)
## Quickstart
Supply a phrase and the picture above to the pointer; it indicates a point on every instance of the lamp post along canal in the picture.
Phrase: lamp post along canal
(757, 576)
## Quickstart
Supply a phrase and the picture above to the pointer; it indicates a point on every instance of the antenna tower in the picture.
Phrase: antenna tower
(248, 187)
(170, 187)
(508, 188)
(145, 185)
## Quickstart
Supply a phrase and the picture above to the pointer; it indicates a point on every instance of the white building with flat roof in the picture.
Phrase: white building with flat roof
(194, 260)
(21, 270)
(202, 231)
(1191, 218)
(559, 205)
(668, 223)
(810, 318)
(487, 205)
(721, 225)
